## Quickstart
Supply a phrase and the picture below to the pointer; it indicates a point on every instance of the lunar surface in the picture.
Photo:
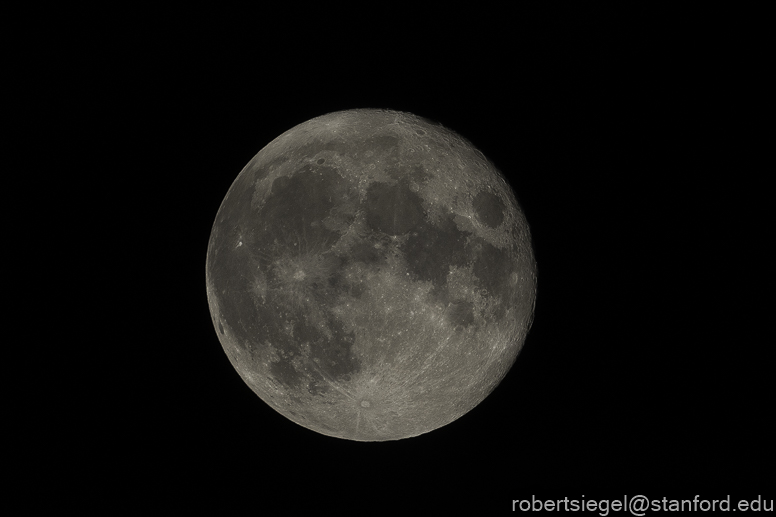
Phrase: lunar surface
(370, 275)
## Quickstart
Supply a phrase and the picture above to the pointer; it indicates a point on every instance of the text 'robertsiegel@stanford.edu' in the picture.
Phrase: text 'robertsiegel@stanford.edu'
(640, 505)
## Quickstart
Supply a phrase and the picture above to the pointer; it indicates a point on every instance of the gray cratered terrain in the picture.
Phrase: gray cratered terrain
(370, 275)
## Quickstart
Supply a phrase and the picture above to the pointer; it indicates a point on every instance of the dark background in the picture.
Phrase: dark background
(634, 378)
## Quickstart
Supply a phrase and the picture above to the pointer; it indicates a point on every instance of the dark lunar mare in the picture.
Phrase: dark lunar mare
(286, 233)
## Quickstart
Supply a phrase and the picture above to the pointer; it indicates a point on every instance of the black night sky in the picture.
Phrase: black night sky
(627, 383)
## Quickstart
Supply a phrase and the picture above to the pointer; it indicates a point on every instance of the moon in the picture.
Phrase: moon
(370, 275)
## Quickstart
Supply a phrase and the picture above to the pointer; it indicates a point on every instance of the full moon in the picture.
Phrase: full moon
(370, 275)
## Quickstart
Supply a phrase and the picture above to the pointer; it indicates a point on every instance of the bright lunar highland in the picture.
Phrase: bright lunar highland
(370, 275)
